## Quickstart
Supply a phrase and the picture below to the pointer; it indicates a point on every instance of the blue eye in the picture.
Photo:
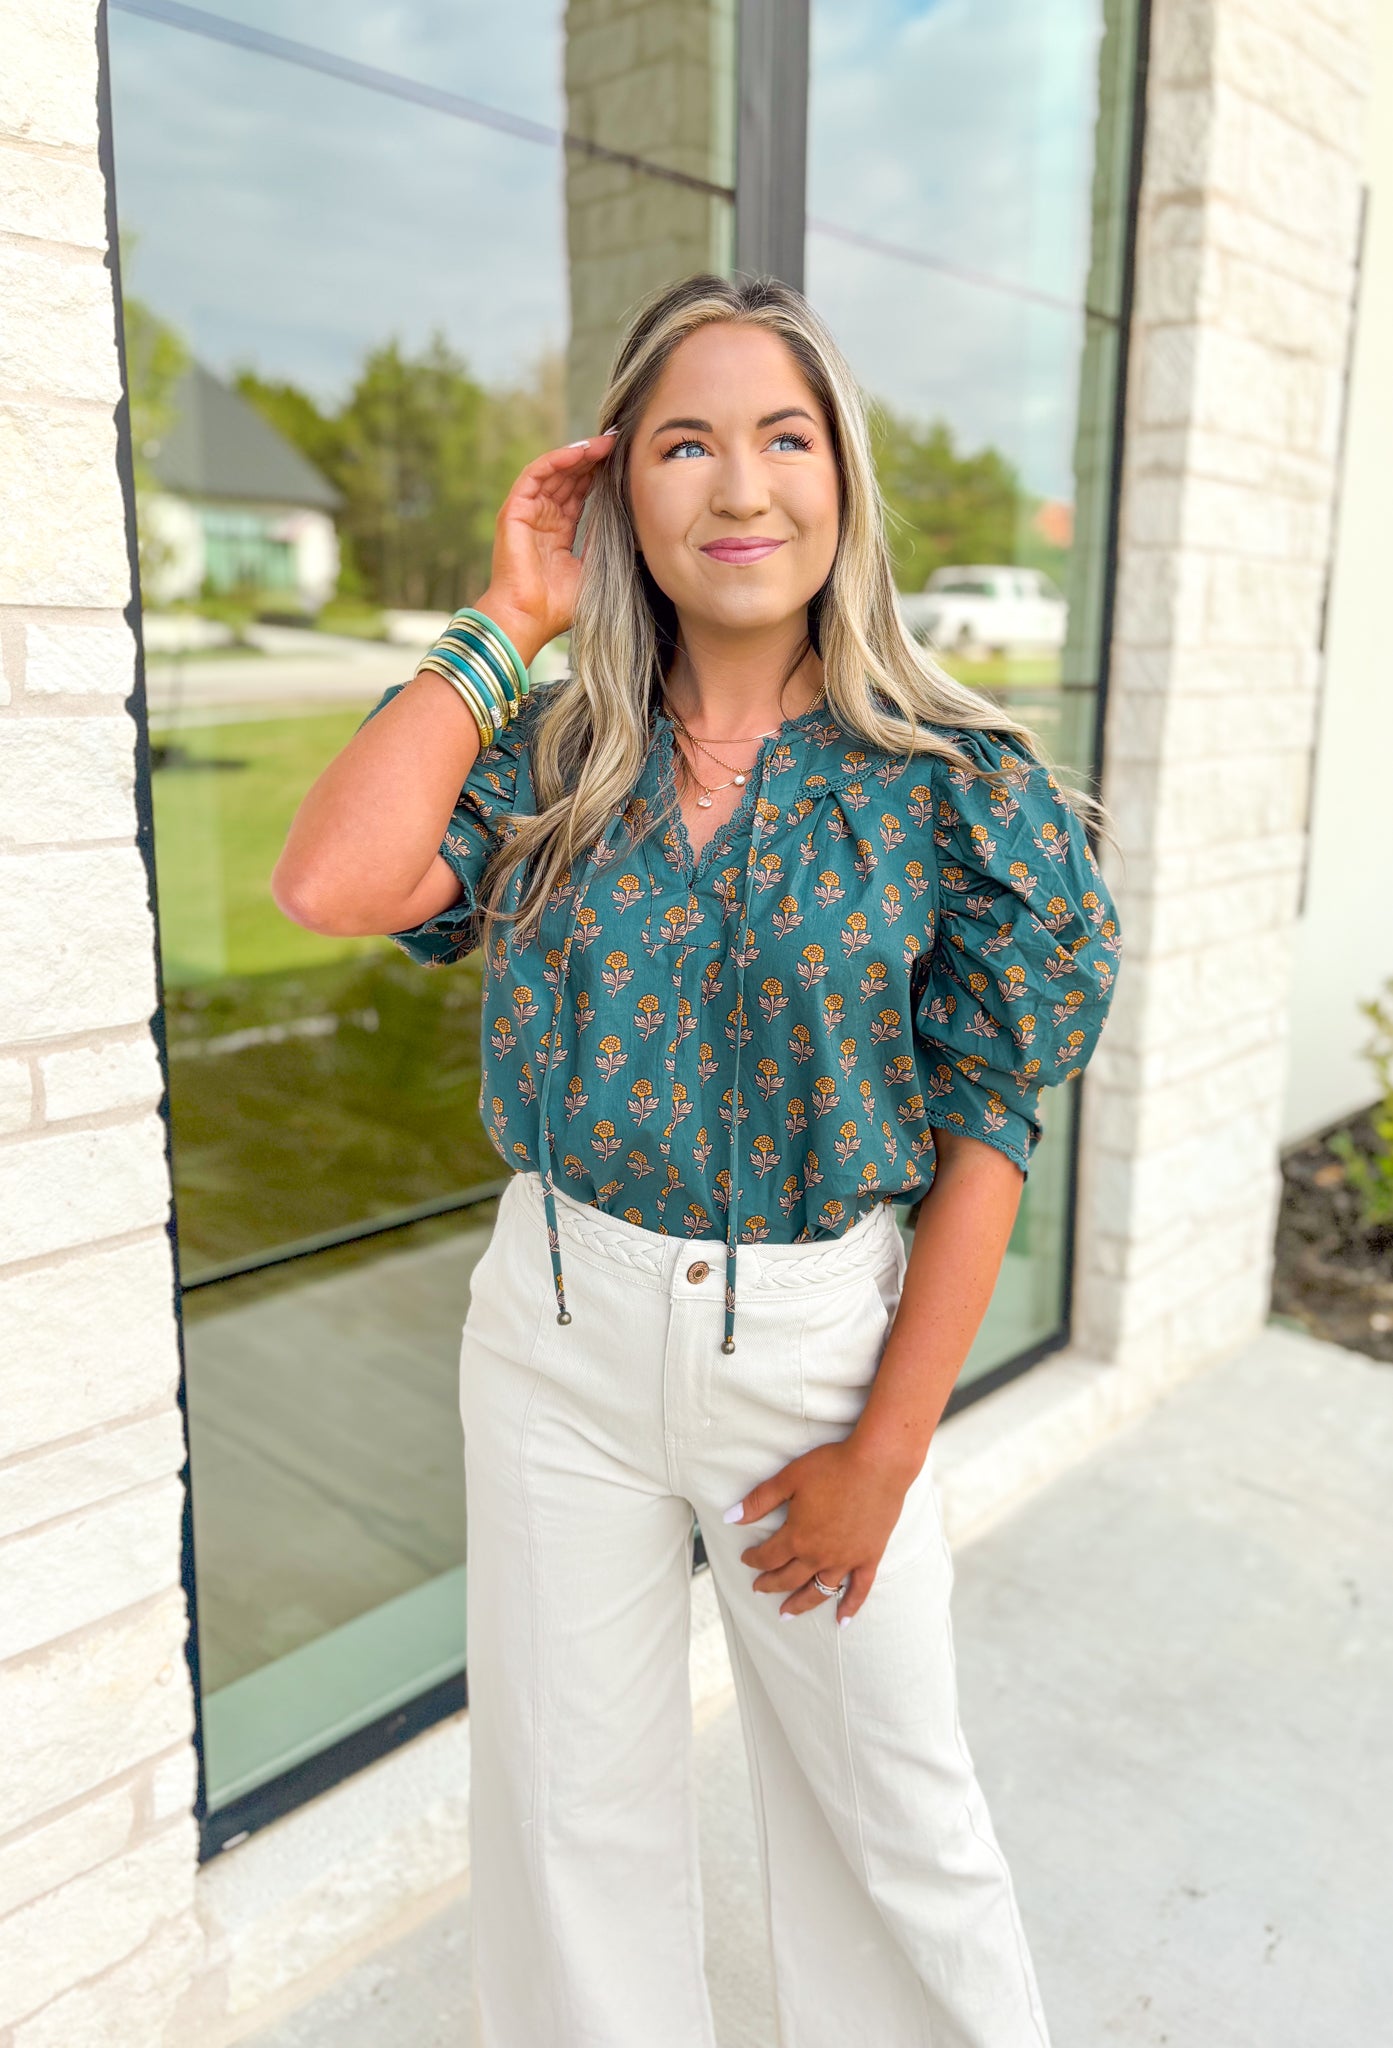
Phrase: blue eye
(798, 440)
(678, 446)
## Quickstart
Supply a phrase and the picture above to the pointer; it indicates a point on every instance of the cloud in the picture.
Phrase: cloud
(962, 129)
(296, 221)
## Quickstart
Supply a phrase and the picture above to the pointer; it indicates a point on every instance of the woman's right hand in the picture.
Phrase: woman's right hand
(532, 590)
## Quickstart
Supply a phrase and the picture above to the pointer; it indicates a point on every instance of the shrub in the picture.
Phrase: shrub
(1370, 1174)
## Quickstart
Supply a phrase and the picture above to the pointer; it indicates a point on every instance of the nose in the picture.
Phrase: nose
(740, 488)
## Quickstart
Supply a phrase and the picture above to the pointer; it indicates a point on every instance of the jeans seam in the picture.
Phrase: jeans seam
(993, 1848)
(536, 1804)
(691, 1848)
(869, 1887)
(739, 1655)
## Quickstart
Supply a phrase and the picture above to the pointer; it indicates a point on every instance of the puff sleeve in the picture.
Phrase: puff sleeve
(496, 783)
(1024, 959)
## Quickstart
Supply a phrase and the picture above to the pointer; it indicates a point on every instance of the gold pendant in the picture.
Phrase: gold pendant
(704, 801)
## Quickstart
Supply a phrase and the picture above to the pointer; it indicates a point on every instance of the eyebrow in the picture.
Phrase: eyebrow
(771, 419)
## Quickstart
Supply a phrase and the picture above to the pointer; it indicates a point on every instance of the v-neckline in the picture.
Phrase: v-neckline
(695, 859)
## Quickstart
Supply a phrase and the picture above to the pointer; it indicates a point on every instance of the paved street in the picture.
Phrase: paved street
(1175, 1665)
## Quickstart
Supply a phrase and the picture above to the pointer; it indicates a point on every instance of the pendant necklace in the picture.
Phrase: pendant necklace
(738, 777)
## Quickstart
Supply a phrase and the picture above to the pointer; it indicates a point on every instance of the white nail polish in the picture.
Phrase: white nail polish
(734, 1514)
(787, 1614)
(584, 442)
(842, 1620)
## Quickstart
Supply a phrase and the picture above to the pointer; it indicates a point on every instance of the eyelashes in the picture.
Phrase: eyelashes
(801, 441)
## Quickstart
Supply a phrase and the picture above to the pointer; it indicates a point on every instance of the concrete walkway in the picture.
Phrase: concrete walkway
(1176, 1668)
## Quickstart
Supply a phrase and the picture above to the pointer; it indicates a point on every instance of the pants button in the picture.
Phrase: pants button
(697, 1271)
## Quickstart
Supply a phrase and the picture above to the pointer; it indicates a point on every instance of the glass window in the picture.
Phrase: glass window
(374, 260)
(967, 190)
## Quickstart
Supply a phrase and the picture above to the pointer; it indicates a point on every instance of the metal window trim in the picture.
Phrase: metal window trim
(1141, 61)
(138, 707)
(771, 138)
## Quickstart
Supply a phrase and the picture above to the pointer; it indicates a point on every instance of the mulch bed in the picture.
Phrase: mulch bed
(1334, 1273)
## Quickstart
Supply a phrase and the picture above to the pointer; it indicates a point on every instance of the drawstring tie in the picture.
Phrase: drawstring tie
(743, 942)
(599, 861)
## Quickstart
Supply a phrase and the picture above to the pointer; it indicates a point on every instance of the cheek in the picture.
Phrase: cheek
(816, 512)
(664, 507)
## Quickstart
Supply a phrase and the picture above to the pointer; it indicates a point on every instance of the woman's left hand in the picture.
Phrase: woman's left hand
(842, 1507)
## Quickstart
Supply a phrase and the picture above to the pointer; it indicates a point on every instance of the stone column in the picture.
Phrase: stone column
(1246, 248)
(97, 1839)
(654, 79)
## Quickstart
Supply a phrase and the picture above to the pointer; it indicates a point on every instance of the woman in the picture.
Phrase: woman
(780, 927)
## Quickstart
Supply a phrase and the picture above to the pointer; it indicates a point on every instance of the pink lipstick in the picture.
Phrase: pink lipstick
(740, 550)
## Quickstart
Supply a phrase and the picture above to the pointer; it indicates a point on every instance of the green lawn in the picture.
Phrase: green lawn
(1005, 671)
(313, 1082)
(223, 804)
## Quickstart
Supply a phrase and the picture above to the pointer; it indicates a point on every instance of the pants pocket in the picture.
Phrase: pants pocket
(508, 1292)
(843, 1334)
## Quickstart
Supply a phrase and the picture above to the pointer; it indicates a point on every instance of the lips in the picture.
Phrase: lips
(740, 550)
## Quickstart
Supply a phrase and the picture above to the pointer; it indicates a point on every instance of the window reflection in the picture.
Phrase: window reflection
(966, 221)
(363, 288)
(374, 260)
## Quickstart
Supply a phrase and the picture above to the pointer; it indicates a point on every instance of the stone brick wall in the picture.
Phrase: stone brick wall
(1344, 946)
(97, 1844)
(1245, 267)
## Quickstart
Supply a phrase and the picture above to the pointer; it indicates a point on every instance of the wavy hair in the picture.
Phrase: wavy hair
(590, 738)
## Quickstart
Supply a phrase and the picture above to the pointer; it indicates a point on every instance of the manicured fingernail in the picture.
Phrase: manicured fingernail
(842, 1620)
(734, 1514)
(787, 1614)
(583, 442)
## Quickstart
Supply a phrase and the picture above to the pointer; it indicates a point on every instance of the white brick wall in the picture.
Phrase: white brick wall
(98, 1938)
(1246, 244)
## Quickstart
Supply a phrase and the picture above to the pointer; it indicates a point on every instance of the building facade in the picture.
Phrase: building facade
(1098, 274)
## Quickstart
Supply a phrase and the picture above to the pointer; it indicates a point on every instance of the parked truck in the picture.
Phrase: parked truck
(988, 609)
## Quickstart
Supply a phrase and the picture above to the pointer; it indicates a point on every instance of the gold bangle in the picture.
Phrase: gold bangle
(472, 703)
(469, 661)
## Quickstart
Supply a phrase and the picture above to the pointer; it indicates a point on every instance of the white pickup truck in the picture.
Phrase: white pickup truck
(978, 610)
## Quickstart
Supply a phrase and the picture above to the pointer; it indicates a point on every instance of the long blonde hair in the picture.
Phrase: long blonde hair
(590, 739)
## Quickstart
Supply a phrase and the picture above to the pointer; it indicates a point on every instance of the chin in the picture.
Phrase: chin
(751, 609)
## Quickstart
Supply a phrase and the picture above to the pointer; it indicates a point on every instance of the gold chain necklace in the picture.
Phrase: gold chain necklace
(738, 777)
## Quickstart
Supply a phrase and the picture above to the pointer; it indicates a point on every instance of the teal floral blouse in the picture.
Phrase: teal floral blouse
(759, 1042)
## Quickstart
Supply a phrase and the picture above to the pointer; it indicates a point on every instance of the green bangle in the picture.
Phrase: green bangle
(491, 626)
(475, 650)
(507, 653)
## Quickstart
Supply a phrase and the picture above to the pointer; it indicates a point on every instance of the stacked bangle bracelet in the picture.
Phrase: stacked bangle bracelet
(484, 669)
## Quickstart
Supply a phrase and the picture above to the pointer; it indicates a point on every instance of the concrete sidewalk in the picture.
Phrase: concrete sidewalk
(1176, 1667)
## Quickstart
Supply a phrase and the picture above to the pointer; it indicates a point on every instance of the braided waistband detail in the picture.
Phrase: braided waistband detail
(780, 1267)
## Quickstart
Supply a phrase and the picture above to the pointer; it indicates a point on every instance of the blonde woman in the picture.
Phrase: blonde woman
(781, 928)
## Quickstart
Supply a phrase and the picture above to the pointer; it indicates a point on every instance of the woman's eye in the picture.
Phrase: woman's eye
(678, 448)
(798, 440)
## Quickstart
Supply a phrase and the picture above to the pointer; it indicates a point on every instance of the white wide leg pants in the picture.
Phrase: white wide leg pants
(588, 1446)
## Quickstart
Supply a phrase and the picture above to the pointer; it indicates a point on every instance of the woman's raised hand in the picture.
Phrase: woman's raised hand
(532, 590)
